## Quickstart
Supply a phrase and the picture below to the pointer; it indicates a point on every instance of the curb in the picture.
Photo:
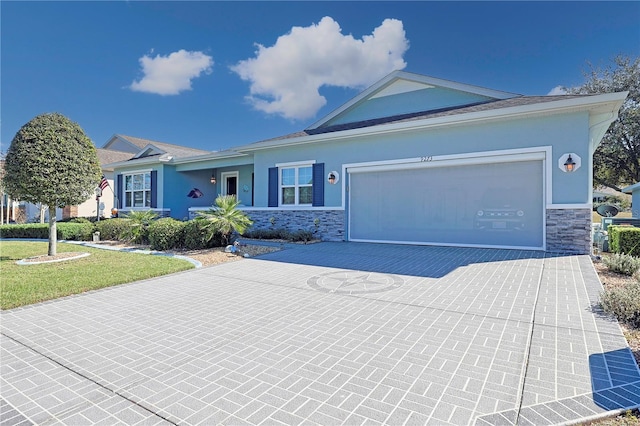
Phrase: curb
(194, 262)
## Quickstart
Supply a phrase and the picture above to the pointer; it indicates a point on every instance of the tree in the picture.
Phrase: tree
(51, 161)
(616, 162)
(225, 218)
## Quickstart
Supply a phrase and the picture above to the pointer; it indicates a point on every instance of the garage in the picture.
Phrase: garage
(486, 201)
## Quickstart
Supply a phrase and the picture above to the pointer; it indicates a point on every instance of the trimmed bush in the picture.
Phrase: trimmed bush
(622, 263)
(268, 234)
(166, 234)
(65, 231)
(113, 229)
(301, 235)
(624, 303)
(27, 230)
(196, 235)
(75, 231)
(624, 239)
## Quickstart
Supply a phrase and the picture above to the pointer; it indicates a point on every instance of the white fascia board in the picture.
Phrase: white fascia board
(403, 75)
(110, 141)
(599, 103)
(629, 189)
(218, 155)
(150, 147)
(137, 162)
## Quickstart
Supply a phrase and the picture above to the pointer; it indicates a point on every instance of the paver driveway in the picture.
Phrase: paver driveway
(329, 333)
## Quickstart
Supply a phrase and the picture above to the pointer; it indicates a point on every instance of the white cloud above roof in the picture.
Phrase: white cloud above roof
(171, 74)
(286, 77)
(558, 90)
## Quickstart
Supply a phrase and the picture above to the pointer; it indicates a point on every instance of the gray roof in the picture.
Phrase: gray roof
(107, 156)
(422, 115)
(174, 150)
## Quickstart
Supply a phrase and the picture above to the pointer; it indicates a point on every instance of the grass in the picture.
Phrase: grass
(26, 284)
(596, 218)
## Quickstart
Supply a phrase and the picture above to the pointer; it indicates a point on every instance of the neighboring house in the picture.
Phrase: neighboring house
(412, 159)
(603, 193)
(89, 207)
(29, 212)
(634, 190)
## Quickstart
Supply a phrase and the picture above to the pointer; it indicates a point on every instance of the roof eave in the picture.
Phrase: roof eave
(137, 162)
(218, 155)
(629, 189)
(608, 102)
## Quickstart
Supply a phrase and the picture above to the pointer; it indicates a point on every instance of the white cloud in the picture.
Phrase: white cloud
(558, 90)
(172, 74)
(285, 78)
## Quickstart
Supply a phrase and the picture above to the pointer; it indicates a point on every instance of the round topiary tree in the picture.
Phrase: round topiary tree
(51, 161)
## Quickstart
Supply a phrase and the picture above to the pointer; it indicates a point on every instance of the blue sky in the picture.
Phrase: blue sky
(214, 75)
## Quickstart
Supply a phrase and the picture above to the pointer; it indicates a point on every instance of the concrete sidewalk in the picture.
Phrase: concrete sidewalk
(329, 333)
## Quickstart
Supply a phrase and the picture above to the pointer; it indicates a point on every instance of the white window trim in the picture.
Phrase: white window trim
(293, 165)
(124, 189)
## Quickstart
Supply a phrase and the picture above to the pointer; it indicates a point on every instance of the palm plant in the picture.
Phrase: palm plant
(139, 221)
(224, 218)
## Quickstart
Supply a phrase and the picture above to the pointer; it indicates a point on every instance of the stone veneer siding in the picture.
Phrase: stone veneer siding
(569, 231)
(330, 222)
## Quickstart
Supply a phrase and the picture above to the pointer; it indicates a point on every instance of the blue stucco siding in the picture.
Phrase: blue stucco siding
(177, 185)
(564, 133)
(404, 103)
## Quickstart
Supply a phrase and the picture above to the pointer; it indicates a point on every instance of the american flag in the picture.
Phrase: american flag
(103, 183)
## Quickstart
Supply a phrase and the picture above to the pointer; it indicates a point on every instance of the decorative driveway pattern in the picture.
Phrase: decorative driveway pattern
(329, 333)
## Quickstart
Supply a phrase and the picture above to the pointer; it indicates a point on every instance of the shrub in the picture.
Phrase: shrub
(138, 230)
(75, 231)
(301, 235)
(28, 230)
(624, 239)
(113, 229)
(225, 219)
(622, 263)
(624, 303)
(80, 220)
(268, 234)
(166, 234)
(196, 235)
(65, 231)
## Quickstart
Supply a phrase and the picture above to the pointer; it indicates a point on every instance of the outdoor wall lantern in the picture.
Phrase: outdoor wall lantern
(213, 178)
(569, 162)
(333, 177)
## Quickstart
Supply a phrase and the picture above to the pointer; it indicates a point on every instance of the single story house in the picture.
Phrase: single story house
(413, 160)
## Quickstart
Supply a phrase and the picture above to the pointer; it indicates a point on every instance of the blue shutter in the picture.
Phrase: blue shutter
(318, 185)
(273, 187)
(154, 189)
(119, 194)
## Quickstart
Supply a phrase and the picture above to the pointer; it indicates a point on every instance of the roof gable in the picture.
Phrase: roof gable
(148, 151)
(142, 148)
(402, 94)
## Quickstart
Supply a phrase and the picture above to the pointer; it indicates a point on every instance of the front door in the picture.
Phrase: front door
(232, 185)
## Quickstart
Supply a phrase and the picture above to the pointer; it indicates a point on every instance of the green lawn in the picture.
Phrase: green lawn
(26, 284)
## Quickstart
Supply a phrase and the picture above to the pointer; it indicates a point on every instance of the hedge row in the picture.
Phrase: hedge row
(624, 239)
(161, 234)
(65, 231)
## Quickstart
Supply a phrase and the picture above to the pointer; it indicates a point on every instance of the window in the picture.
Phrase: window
(137, 190)
(296, 185)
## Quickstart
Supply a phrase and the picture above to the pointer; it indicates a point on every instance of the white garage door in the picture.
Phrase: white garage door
(488, 205)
